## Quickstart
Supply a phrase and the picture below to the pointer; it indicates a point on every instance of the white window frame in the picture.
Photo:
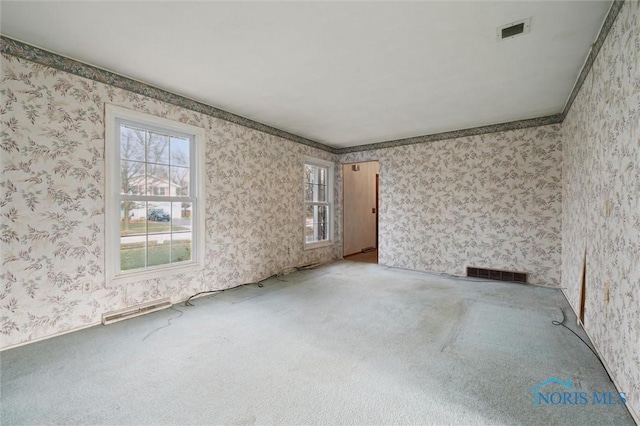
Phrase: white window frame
(113, 116)
(331, 204)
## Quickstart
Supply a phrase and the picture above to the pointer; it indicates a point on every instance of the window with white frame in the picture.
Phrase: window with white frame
(155, 192)
(318, 199)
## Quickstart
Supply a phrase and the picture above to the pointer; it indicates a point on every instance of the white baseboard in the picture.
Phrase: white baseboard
(635, 415)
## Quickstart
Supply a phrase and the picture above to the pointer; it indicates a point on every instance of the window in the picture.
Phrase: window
(318, 200)
(155, 217)
(159, 191)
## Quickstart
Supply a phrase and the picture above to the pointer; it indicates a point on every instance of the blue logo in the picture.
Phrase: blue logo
(572, 396)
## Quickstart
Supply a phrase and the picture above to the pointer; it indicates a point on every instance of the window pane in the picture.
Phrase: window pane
(158, 148)
(309, 179)
(179, 151)
(181, 247)
(322, 176)
(131, 177)
(321, 223)
(321, 192)
(159, 249)
(308, 192)
(308, 173)
(181, 217)
(316, 193)
(132, 252)
(316, 223)
(179, 180)
(131, 143)
(157, 179)
(133, 218)
(316, 189)
(159, 217)
(308, 223)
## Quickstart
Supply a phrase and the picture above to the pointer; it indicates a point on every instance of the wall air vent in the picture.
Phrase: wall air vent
(497, 275)
(134, 311)
(513, 29)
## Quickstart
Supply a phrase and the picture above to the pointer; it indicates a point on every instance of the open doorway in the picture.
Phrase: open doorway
(360, 201)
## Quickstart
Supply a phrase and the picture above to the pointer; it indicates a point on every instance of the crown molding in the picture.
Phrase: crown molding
(10, 46)
(593, 53)
(493, 128)
(513, 125)
(19, 49)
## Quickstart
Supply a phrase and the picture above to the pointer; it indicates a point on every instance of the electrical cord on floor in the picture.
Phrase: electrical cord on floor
(564, 318)
(258, 283)
(167, 324)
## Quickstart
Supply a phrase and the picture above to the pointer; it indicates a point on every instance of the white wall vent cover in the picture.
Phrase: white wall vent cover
(513, 29)
(135, 311)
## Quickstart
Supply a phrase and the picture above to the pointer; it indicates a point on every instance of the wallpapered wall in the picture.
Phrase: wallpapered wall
(498, 200)
(491, 200)
(601, 200)
(52, 204)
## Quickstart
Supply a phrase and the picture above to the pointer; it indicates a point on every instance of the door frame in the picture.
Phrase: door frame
(377, 207)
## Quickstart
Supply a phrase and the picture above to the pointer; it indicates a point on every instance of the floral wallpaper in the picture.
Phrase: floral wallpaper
(489, 200)
(52, 203)
(530, 199)
(601, 201)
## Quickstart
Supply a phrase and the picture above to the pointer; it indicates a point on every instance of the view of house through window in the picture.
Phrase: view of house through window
(156, 198)
(317, 179)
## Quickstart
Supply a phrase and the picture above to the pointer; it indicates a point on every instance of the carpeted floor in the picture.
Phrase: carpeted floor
(368, 257)
(349, 343)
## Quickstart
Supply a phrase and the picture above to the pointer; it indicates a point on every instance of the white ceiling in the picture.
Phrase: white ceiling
(340, 73)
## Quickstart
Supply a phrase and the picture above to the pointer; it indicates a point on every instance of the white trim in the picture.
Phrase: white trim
(331, 203)
(317, 244)
(156, 272)
(318, 161)
(114, 113)
(636, 416)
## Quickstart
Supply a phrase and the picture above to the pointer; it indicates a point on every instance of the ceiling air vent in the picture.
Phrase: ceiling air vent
(513, 29)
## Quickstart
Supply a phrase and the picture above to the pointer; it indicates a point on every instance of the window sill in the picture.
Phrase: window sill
(319, 244)
(151, 274)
